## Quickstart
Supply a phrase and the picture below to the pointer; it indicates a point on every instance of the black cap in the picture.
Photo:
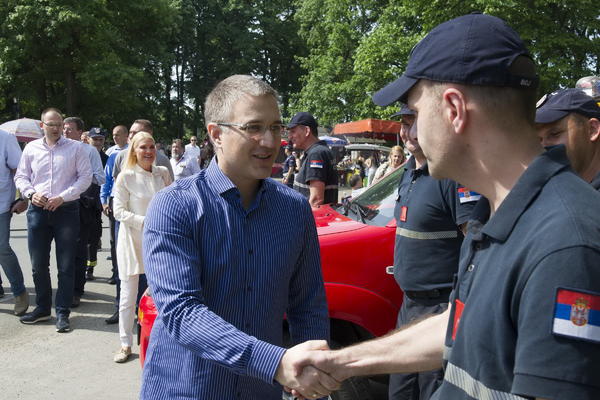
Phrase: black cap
(404, 111)
(554, 106)
(97, 132)
(474, 49)
(303, 118)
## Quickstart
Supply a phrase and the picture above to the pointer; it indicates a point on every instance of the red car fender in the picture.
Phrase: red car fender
(362, 307)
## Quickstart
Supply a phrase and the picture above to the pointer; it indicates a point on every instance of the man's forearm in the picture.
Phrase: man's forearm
(418, 347)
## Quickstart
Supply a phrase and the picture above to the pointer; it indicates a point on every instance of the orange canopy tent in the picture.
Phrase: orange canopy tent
(370, 128)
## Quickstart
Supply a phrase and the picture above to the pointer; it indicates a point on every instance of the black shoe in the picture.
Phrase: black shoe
(76, 301)
(112, 281)
(113, 319)
(37, 315)
(89, 275)
(62, 323)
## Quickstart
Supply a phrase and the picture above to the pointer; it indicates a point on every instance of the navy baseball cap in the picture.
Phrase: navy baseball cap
(403, 111)
(97, 132)
(554, 106)
(303, 118)
(474, 49)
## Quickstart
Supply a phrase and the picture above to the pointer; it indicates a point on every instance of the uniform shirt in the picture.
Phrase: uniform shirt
(520, 276)
(317, 165)
(428, 238)
(10, 154)
(61, 170)
(222, 278)
(596, 182)
(185, 166)
(290, 162)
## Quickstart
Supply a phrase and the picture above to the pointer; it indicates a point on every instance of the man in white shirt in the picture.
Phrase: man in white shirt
(183, 165)
(52, 173)
(192, 149)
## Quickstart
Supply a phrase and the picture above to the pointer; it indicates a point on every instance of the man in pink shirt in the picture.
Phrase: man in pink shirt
(52, 173)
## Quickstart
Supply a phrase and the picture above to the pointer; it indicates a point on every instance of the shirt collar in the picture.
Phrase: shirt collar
(222, 184)
(528, 186)
(411, 165)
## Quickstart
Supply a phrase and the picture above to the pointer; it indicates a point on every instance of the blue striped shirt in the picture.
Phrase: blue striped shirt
(222, 278)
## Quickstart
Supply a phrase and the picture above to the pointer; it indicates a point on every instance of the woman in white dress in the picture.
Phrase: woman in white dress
(137, 183)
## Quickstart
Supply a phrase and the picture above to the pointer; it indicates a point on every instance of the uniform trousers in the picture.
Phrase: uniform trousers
(417, 386)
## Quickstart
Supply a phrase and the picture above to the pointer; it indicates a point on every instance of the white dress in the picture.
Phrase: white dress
(134, 189)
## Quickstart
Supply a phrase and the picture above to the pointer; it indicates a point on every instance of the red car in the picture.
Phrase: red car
(357, 246)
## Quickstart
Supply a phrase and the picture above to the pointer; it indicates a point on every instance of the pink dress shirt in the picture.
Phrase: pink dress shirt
(61, 170)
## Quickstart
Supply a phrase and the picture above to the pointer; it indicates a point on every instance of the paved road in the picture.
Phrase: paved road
(40, 364)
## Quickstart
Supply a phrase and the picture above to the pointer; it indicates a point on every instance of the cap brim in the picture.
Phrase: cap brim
(549, 115)
(392, 92)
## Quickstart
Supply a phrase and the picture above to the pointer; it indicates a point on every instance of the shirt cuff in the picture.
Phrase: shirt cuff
(264, 361)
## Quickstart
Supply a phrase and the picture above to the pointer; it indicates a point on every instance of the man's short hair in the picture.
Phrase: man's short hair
(50, 109)
(219, 102)
(178, 142)
(146, 124)
(122, 128)
(354, 179)
(77, 121)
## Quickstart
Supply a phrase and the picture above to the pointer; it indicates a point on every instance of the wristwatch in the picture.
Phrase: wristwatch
(30, 195)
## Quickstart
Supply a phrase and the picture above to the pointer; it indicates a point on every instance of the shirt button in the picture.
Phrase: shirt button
(250, 251)
(247, 324)
(471, 267)
(249, 288)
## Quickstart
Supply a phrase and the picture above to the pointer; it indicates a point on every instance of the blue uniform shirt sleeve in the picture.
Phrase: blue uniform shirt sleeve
(106, 188)
(548, 365)
(172, 264)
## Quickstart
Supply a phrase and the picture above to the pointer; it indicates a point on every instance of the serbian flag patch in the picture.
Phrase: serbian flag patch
(316, 163)
(465, 195)
(577, 315)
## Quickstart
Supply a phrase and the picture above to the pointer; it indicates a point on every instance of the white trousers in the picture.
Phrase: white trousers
(129, 289)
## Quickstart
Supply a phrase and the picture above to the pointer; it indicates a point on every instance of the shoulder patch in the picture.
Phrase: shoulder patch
(316, 164)
(577, 314)
(466, 196)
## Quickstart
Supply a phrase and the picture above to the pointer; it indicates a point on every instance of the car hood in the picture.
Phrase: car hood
(329, 221)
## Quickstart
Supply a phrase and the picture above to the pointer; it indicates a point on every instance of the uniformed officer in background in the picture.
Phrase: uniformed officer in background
(523, 319)
(572, 118)
(317, 178)
(429, 216)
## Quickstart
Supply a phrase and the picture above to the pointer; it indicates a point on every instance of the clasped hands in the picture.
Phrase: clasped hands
(307, 370)
(50, 204)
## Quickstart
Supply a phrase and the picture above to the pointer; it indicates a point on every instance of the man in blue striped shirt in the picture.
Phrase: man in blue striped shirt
(227, 253)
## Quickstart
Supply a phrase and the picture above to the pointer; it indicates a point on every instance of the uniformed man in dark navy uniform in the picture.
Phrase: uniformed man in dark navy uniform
(317, 178)
(524, 318)
(572, 118)
(429, 215)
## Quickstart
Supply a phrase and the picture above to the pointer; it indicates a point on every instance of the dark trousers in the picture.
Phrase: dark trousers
(94, 240)
(113, 240)
(420, 385)
(86, 221)
(62, 226)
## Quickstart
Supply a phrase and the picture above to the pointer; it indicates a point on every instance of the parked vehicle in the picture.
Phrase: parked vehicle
(357, 241)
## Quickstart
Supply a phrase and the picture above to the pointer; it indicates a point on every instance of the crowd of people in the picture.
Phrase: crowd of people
(497, 238)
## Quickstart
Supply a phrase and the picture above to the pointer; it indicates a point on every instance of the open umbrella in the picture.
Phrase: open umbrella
(25, 129)
(333, 141)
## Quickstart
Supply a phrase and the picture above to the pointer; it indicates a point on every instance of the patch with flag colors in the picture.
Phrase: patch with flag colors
(316, 163)
(466, 196)
(577, 315)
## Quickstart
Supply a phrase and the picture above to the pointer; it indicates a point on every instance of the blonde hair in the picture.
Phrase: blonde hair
(131, 159)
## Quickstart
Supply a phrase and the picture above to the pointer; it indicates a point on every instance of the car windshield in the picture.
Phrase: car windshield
(375, 206)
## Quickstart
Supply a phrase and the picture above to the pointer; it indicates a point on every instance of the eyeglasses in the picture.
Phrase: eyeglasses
(52, 125)
(256, 130)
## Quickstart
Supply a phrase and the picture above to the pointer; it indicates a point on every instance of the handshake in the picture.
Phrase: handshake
(310, 370)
